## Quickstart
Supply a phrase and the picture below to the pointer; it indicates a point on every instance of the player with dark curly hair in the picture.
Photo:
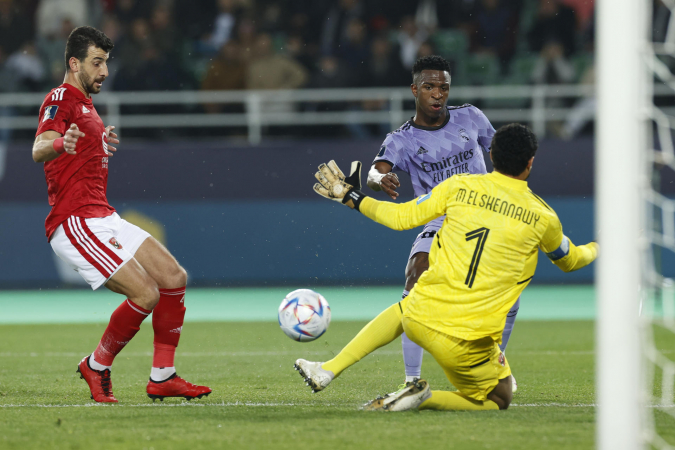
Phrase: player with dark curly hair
(439, 142)
(514, 146)
(482, 259)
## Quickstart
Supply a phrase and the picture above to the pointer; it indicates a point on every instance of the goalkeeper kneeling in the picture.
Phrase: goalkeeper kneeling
(480, 262)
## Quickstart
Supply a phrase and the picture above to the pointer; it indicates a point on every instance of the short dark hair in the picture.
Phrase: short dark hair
(433, 62)
(81, 39)
(512, 147)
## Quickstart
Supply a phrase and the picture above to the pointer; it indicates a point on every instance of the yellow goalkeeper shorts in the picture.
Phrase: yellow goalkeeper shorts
(473, 367)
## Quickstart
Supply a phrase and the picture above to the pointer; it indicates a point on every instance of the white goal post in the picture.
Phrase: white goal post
(623, 94)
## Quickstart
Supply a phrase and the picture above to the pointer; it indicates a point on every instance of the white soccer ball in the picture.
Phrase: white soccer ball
(304, 315)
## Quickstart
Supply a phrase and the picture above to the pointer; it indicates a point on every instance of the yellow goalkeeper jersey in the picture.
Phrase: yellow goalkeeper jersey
(484, 255)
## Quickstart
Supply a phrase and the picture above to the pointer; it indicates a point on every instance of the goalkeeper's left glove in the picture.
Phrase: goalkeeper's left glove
(334, 186)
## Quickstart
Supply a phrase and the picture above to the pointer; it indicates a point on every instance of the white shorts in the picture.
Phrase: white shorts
(423, 242)
(97, 248)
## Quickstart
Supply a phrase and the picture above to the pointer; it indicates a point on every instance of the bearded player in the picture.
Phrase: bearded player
(86, 232)
(439, 142)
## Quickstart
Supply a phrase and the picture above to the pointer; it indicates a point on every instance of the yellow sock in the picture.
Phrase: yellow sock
(380, 331)
(456, 401)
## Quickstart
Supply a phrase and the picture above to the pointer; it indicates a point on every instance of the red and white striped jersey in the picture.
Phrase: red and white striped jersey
(76, 184)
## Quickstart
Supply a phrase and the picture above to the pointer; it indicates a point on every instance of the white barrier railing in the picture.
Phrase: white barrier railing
(264, 108)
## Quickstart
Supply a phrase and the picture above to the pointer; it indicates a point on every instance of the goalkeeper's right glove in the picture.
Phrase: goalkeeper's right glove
(334, 186)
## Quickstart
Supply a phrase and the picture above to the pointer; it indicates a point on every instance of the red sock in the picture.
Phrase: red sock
(167, 321)
(124, 324)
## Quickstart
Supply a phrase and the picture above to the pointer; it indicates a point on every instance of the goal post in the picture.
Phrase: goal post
(620, 167)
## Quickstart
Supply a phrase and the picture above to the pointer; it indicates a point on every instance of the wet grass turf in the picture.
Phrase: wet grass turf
(259, 401)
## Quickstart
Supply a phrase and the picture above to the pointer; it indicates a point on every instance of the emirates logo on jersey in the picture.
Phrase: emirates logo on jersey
(115, 244)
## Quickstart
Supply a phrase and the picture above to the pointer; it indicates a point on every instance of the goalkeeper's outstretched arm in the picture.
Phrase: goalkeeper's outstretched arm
(335, 186)
(404, 216)
(561, 250)
(577, 257)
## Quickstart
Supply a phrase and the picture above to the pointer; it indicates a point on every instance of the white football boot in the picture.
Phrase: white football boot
(514, 385)
(316, 377)
(411, 396)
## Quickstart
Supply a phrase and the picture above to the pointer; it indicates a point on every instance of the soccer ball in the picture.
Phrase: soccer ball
(304, 315)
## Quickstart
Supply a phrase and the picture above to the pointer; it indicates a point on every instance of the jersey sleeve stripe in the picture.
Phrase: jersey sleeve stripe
(69, 232)
(541, 201)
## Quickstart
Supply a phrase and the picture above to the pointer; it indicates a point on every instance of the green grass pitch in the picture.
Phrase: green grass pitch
(259, 401)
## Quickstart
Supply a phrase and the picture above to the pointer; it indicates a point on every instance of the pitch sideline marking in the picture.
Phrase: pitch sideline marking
(272, 405)
(231, 404)
(282, 353)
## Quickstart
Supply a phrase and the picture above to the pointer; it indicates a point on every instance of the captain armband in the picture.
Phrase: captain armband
(561, 251)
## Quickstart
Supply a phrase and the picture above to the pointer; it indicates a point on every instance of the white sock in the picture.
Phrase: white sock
(96, 366)
(161, 373)
(410, 378)
(412, 358)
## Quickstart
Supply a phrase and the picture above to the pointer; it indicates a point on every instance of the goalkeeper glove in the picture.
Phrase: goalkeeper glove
(334, 186)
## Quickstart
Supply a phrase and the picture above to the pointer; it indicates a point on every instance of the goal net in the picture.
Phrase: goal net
(635, 223)
(657, 312)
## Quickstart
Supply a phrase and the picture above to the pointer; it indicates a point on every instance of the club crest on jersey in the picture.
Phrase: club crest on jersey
(502, 359)
(50, 112)
(422, 151)
(463, 135)
(115, 244)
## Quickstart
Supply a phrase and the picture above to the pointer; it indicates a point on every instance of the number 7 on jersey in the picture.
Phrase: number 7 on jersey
(480, 235)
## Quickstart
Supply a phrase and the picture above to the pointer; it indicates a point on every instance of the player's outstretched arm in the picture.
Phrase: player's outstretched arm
(381, 178)
(577, 257)
(563, 253)
(405, 216)
(50, 144)
(334, 186)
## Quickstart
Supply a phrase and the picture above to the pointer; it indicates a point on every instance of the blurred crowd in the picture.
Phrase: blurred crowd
(286, 44)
